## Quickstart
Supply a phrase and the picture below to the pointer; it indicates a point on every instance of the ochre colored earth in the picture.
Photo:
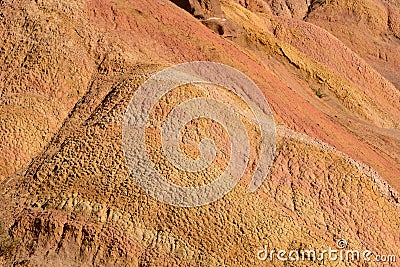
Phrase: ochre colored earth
(68, 70)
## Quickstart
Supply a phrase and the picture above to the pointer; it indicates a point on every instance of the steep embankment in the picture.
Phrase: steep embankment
(67, 198)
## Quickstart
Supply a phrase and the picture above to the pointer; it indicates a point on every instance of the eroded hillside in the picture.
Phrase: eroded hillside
(69, 69)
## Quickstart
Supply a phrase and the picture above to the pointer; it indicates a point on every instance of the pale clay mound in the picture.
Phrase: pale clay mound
(69, 69)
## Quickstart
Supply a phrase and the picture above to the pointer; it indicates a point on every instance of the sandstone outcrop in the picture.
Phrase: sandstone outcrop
(68, 70)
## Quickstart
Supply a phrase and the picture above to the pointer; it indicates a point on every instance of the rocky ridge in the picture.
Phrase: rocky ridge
(69, 69)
